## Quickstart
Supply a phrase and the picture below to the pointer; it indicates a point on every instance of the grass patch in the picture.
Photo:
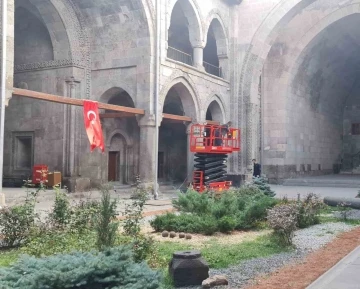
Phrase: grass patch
(330, 219)
(9, 257)
(223, 255)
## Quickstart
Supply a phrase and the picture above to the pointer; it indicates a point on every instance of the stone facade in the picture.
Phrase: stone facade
(284, 71)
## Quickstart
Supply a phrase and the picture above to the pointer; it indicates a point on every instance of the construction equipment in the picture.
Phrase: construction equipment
(212, 144)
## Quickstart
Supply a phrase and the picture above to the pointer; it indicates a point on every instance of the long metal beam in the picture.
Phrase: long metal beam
(73, 101)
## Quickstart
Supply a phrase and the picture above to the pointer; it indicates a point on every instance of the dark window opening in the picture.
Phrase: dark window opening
(211, 59)
(208, 115)
(173, 103)
(23, 152)
(180, 48)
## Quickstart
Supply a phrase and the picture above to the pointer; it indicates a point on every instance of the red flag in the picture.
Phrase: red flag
(93, 125)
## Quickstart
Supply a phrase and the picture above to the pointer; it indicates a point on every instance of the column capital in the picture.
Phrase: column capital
(148, 120)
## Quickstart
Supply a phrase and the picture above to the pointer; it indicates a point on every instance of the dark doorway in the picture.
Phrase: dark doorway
(113, 166)
(161, 164)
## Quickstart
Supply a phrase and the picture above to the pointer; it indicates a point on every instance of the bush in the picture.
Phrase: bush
(227, 224)
(283, 219)
(255, 212)
(51, 242)
(263, 186)
(193, 202)
(113, 268)
(61, 213)
(84, 216)
(188, 223)
(16, 222)
(309, 211)
(106, 228)
(207, 214)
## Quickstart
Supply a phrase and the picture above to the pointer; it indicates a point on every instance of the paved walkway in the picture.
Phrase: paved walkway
(292, 191)
(344, 275)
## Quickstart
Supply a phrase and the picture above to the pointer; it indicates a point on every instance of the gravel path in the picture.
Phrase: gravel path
(305, 240)
(351, 214)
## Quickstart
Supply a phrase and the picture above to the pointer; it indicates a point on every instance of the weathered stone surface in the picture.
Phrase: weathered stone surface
(188, 236)
(172, 234)
(165, 234)
(217, 280)
(188, 268)
(182, 235)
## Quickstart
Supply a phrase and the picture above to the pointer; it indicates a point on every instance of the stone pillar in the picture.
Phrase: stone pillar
(252, 132)
(147, 152)
(199, 57)
(10, 48)
(70, 131)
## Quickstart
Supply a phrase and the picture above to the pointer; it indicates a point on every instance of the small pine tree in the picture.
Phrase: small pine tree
(112, 269)
(263, 186)
(106, 228)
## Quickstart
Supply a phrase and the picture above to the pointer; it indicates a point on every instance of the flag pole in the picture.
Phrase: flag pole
(3, 94)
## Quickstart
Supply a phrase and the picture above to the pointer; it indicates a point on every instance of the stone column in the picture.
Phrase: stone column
(147, 152)
(71, 135)
(252, 133)
(10, 48)
(199, 57)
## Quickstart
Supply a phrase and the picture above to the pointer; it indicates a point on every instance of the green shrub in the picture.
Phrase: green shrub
(227, 224)
(263, 186)
(309, 211)
(52, 242)
(113, 268)
(84, 216)
(188, 223)
(193, 202)
(255, 212)
(61, 212)
(143, 247)
(16, 222)
(106, 227)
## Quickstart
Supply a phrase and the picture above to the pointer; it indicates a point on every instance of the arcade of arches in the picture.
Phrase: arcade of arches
(286, 72)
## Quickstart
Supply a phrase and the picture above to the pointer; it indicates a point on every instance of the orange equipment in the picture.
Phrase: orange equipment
(211, 145)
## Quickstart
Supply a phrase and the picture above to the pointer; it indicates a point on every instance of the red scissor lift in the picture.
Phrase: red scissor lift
(212, 144)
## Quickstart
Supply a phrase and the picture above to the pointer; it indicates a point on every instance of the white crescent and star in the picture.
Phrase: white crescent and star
(91, 112)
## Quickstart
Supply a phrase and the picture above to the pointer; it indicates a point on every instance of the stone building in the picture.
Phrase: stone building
(284, 71)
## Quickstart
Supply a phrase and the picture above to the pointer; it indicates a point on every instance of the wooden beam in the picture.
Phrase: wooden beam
(73, 101)
(116, 115)
(177, 117)
(212, 122)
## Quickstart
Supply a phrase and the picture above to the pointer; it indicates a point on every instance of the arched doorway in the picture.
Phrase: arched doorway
(123, 138)
(173, 157)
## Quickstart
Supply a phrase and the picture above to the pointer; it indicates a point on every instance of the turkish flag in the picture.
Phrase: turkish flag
(93, 125)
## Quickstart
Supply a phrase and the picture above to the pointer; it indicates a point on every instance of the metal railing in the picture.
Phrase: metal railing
(179, 55)
(212, 69)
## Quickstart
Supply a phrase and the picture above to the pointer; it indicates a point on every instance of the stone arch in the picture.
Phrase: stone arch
(192, 13)
(109, 95)
(217, 108)
(58, 34)
(221, 34)
(189, 98)
(121, 132)
(283, 89)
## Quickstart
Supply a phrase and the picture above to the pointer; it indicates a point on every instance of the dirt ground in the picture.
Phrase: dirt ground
(299, 276)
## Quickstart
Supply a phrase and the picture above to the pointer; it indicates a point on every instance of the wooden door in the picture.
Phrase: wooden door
(112, 166)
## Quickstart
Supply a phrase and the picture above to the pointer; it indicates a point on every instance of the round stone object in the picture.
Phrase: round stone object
(188, 236)
(172, 234)
(182, 235)
(165, 234)
(188, 268)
